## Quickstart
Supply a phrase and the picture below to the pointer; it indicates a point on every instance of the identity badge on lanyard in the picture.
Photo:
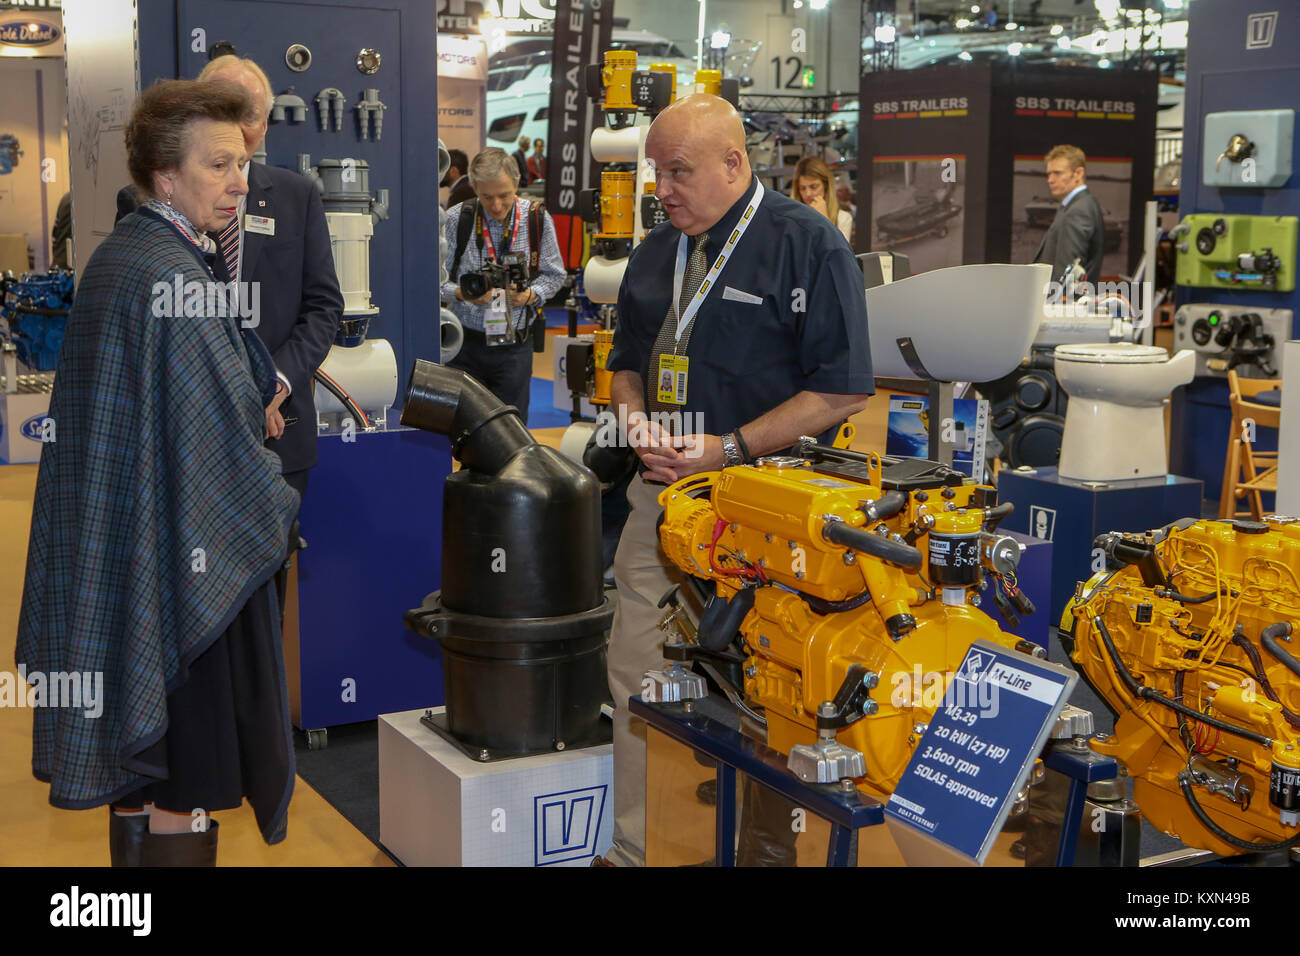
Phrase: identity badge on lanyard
(496, 322)
(672, 371)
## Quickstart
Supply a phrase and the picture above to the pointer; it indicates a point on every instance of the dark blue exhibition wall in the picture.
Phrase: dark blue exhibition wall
(1242, 55)
(175, 36)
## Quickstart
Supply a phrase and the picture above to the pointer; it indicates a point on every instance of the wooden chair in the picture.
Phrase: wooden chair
(1248, 472)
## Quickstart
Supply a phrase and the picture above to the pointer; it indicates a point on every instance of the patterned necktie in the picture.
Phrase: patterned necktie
(697, 268)
(229, 240)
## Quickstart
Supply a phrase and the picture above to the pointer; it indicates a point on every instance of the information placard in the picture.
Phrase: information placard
(975, 754)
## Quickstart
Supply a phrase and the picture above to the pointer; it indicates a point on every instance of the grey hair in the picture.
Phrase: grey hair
(229, 63)
(492, 163)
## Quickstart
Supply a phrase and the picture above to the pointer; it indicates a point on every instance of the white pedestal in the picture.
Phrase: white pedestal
(438, 807)
(21, 415)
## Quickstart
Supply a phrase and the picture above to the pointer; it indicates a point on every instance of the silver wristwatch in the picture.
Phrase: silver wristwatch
(731, 451)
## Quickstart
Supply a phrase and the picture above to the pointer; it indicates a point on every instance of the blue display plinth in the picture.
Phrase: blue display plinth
(1034, 576)
(372, 520)
(1071, 514)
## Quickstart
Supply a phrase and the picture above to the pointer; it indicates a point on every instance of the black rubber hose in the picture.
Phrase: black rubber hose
(858, 539)
(824, 607)
(1268, 637)
(485, 433)
(1257, 662)
(993, 516)
(1142, 557)
(1223, 834)
(888, 505)
(1187, 598)
(1147, 693)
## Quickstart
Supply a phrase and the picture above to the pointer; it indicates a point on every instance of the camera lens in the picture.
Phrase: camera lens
(473, 285)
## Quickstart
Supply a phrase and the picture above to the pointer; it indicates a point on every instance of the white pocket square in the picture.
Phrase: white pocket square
(735, 295)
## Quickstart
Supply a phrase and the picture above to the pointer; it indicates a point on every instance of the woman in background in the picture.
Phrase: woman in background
(814, 186)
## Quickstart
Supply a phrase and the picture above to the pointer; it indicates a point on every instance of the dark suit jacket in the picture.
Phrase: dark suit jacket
(521, 160)
(460, 191)
(300, 299)
(1077, 232)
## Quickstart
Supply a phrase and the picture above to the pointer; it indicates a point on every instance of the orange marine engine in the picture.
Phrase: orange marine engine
(847, 590)
(1187, 641)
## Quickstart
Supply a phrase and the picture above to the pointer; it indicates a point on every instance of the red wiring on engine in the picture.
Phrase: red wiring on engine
(748, 571)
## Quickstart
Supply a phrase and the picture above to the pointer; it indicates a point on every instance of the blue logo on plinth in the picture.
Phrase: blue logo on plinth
(34, 427)
(566, 824)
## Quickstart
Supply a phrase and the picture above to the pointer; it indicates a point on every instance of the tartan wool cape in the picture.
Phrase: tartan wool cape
(158, 511)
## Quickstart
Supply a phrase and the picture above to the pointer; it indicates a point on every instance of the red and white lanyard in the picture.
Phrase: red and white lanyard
(509, 240)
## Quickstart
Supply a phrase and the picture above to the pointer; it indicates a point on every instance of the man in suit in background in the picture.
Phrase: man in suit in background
(457, 178)
(521, 160)
(1077, 232)
(280, 241)
(537, 161)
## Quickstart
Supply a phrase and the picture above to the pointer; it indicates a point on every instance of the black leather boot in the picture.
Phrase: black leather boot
(180, 849)
(126, 835)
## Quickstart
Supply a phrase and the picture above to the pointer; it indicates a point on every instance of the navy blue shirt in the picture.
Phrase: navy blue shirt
(808, 332)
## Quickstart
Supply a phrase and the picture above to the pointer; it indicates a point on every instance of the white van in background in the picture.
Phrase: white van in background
(519, 81)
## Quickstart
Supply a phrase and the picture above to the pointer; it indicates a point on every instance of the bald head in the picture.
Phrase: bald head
(248, 75)
(702, 116)
(697, 146)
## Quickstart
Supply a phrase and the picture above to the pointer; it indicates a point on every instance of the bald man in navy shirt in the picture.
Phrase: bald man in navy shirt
(775, 348)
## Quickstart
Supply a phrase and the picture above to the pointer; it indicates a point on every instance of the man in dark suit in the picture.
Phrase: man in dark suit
(521, 160)
(458, 178)
(1077, 232)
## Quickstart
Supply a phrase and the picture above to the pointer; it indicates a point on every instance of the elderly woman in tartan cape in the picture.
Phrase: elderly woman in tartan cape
(160, 519)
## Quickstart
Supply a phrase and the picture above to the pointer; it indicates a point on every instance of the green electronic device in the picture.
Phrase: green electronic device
(1237, 252)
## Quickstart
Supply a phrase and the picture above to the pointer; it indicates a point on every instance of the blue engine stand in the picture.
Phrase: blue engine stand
(845, 811)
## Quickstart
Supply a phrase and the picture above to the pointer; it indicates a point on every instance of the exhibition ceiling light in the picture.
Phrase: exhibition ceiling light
(1012, 25)
(1057, 30)
(964, 55)
(885, 34)
(962, 24)
(1015, 48)
(720, 40)
(818, 4)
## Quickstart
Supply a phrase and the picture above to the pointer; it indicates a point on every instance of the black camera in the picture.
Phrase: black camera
(511, 273)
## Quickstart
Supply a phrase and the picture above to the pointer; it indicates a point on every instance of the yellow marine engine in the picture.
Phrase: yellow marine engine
(1187, 642)
(851, 594)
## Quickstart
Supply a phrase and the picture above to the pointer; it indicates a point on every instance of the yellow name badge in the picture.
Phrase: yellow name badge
(672, 379)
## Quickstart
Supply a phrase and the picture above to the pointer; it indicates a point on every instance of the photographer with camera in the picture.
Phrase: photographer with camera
(505, 264)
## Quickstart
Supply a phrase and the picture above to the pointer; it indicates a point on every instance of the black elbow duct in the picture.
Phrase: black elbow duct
(484, 433)
(522, 616)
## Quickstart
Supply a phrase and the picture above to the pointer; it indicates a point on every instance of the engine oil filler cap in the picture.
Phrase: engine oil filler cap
(1248, 527)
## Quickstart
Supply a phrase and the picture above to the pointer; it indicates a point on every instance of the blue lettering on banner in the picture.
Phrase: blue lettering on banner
(28, 34)
(958, 786)
(566, 825)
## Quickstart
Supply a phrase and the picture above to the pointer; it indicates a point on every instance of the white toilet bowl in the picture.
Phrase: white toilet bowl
(1115, 424)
